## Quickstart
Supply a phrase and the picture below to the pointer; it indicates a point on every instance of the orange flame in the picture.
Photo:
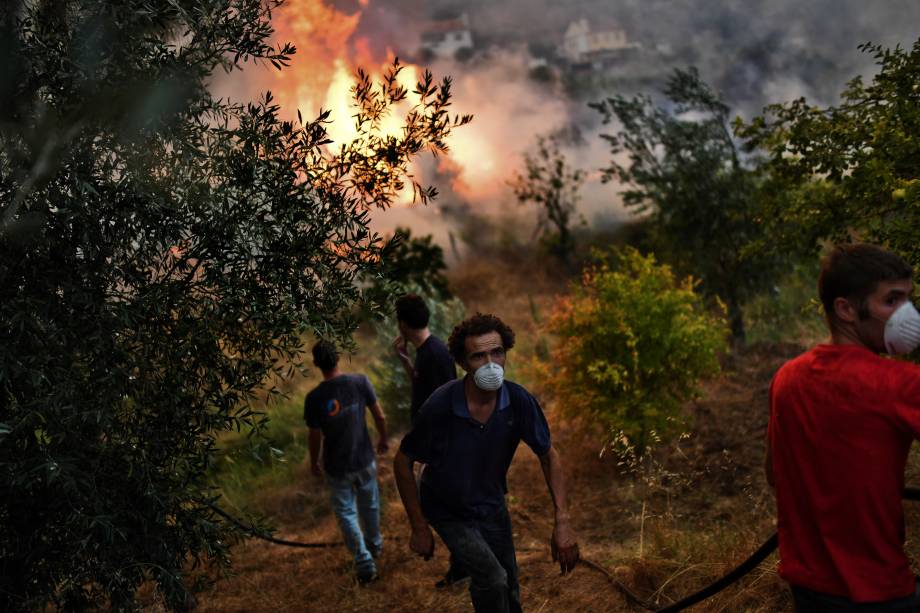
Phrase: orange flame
(322, 75)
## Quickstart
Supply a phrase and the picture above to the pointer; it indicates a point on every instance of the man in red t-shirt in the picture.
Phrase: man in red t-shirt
(842, 420)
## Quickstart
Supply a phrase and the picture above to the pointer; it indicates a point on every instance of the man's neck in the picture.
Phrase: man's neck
(331, 374)
(417, 337)
(847, 336)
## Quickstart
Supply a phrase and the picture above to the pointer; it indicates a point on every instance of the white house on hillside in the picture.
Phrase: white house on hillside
(445, 38)
(581, 45)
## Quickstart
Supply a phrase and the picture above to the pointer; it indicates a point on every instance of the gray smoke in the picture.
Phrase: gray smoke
(754, 52)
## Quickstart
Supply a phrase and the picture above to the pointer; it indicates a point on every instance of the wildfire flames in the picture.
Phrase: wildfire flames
(322, 75)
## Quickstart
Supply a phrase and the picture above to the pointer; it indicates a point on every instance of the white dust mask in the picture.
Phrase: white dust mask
(902, 330)
(489, 376)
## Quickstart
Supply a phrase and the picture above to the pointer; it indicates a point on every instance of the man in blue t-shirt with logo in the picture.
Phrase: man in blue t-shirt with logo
(466, 435)
(334, 412)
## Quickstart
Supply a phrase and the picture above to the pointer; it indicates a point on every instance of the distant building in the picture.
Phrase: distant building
(446, 37)
(599, 49)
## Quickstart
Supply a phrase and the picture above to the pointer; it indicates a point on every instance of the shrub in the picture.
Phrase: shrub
(634, 343)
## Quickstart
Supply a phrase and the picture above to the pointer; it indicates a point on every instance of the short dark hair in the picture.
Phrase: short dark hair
(325, 355)
(854, 271)
(412, 310)
(477, 325)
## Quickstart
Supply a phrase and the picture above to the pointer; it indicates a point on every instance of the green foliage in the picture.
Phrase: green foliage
(790, 311)
(683, 169)
(412, 262)
(847, 171)
(244, 471)
(387, 373)
(552, 185)
(162, 254)
(634, 343)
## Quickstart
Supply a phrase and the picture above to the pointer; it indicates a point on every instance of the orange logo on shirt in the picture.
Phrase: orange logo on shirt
(333, 407)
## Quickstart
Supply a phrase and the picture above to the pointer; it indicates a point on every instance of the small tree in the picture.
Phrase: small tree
(633, 345)
(684, 170)
(162, 254)
(552, 185)
(415, 262)
(847, 171)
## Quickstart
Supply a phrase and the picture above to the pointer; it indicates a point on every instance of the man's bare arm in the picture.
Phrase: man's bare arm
(316, 442)
(564, 544)
(402, 352)
(380, 421)
(422, 540)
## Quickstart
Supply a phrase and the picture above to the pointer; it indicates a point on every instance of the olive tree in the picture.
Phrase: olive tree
(680, 166)
(163, 254)
(847, 171)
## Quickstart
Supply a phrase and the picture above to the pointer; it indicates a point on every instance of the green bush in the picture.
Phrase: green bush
(788, 312)
(634, 343)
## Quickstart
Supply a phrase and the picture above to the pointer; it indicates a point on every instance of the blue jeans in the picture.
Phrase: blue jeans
(355, 497)
(807, 601)
(485, 547)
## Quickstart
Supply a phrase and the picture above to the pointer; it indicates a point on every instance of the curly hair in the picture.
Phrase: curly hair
(477, 325)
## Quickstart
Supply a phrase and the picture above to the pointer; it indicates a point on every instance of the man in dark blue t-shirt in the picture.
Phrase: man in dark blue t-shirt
(334, 412)
(466, 435)
(434, 366)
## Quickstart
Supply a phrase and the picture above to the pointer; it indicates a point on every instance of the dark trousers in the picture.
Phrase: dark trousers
(807, 601)
(486, 549)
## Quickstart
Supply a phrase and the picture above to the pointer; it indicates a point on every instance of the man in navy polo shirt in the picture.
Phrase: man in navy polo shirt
(466, 435)
(334, 412)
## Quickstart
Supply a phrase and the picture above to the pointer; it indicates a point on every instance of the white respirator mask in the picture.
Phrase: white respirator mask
(489, 376)
(902, 330)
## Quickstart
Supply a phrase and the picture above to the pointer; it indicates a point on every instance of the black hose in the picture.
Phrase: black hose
(265, 536)
(752, 562)
(717, 586)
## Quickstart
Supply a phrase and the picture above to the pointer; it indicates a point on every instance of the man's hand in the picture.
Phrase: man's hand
(400, 348)
(422, 542)
(317, 471)
(564, 546)
(383, 445)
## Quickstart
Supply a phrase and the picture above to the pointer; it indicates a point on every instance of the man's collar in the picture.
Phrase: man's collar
(461, 408)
